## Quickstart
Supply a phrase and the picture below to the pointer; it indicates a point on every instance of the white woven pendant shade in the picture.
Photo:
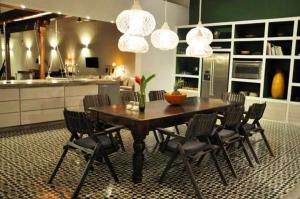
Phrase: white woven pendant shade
(134, 44)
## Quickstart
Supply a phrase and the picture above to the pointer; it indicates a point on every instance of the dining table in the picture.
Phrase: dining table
(157, 114)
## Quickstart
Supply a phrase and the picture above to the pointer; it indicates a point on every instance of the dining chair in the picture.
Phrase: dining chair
(156, 95)
(227, 134)
(98, 101)
(95, 145)
(190, 147)
(234, 98)
(248, 129)
(127, 96)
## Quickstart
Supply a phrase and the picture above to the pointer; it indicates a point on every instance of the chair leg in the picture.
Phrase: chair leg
(266, 142)
(162, 138)
(229, 161)
(191, 175)
(120, 140)
(167, 168)
(252, 149)
(82, 179)
(155, 136)
(110, 167)
(218, 168)
(177, 130)
(200, 160)
(246, 153)
(58, 164)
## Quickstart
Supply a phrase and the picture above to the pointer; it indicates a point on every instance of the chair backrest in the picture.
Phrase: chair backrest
(95, 101)
(201, 125)
(127, 96)
(256, 111)
(78, 123)
(234, 98)
(156, 95)
(232, 117)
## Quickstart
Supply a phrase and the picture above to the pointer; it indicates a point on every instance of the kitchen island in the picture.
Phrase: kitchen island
(25, 102)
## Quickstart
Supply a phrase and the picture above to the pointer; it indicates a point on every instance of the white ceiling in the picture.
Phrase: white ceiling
(184, 3)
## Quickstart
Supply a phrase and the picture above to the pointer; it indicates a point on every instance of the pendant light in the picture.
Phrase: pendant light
(136, 21)
(134, 44)
(164, 38)
(199, 39)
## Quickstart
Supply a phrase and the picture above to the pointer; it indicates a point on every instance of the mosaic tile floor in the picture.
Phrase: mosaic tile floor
(29, 156)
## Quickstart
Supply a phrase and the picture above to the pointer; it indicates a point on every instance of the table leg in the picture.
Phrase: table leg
(139, 135)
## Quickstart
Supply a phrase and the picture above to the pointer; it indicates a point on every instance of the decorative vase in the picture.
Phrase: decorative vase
(142, 100)
(277, 90)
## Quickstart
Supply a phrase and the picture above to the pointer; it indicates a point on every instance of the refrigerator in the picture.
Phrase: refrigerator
(215, 75)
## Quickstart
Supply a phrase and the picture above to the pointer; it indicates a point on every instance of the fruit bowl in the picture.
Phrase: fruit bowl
(175, 99)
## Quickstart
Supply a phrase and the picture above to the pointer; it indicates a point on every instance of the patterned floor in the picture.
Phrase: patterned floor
(28, 157)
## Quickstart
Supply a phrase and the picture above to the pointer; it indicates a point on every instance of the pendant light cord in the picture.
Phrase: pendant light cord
(166, 10)
(200, 8)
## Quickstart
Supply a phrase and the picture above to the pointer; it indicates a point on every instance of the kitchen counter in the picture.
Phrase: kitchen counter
(26, 102)
(52, 83)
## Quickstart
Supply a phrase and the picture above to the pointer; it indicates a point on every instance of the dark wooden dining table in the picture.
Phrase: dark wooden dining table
(157, 114)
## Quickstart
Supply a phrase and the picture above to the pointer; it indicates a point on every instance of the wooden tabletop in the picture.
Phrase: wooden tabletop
(161, 109)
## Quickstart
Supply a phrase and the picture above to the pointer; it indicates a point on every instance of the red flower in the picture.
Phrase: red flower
(137, 79)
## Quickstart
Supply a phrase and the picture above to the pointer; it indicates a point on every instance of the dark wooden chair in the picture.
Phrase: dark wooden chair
(159, 95)
(94, 145)
(156, 95)
(234, 98)
(196, 143)
(127, 96)
(97, 101)
(227, 134)
(255, 113)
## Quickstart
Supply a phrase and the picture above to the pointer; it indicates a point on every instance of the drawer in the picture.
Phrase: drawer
(42, 104)
(294, 114)
(10, 107)
(81, 90)
(275, 111)
(31, 117)
(9, 119)
(41, 92)
(74, 101)
(9, 94)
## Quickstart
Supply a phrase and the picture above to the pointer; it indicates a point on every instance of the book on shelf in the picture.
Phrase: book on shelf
(273, 49)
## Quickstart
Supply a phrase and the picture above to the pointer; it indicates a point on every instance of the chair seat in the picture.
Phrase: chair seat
(89, 142)
(190, 146)
(228, 135)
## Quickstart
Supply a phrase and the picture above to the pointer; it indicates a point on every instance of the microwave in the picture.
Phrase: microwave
(247, 69)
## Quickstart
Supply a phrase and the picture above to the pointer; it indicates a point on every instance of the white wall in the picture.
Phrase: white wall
(155, 61)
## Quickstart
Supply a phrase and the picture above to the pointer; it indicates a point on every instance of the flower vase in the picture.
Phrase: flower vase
(142, 100)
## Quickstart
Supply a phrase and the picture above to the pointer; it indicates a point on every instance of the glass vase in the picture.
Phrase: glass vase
(142, 102)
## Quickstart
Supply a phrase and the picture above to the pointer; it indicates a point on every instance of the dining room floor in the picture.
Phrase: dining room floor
(27, 158)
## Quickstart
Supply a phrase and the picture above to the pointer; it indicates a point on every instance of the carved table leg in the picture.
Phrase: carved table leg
(139, 135)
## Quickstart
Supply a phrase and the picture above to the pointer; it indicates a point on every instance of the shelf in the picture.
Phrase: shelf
(182, 55)
(295, 94)
(187, 76)
(278, 57)
(269, 99)
(188, 90)
(245, 87)
(249, 39)
(250, 31)
(296, 84)
(222, 40)
(279, 38)
(182, 41)
(281, 29)
(248, 56)
(246, 80)
(297, 57)
(221, 49)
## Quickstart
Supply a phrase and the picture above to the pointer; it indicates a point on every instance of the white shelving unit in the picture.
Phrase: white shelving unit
(237, 37)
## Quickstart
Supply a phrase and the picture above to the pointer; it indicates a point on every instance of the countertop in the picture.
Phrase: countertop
(52, 83)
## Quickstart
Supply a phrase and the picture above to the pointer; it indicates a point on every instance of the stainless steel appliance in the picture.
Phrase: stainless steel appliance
(215, 73)
(246, 69)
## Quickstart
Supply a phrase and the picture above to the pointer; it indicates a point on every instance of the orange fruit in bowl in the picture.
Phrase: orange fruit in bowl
(175, 98)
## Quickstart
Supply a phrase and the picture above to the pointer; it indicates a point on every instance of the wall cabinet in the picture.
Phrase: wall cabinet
(273, 42)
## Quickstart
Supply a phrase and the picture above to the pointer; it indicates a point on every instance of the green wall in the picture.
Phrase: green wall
(237, 10)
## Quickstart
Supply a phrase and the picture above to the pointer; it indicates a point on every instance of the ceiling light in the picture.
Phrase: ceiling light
(23, 6)
(199, 39)
(88, 17)
(134, 44)
(164, 38)
(59, 13)
(199, 50)
(136, 21)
